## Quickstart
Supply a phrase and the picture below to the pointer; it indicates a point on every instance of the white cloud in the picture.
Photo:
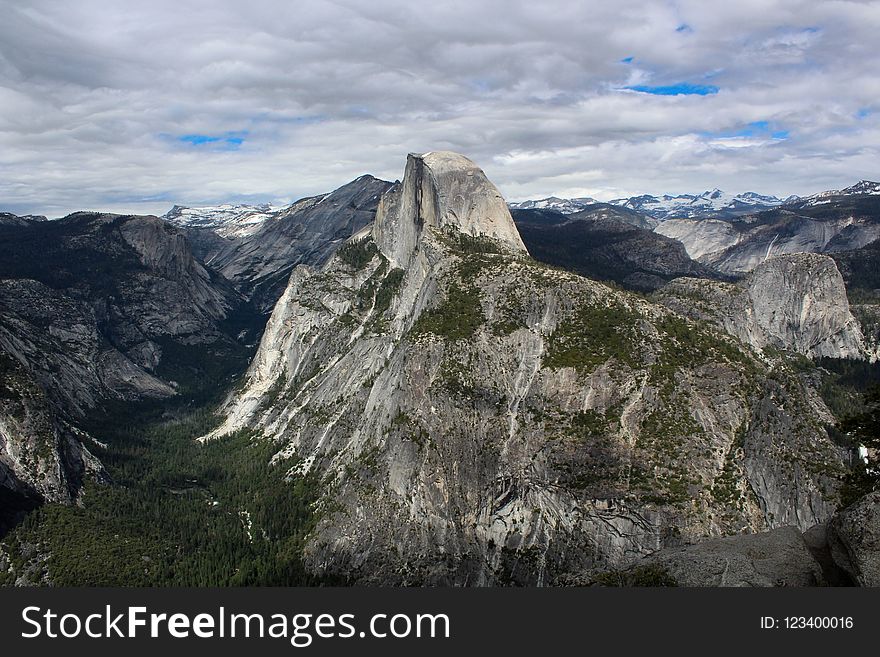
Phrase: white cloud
(94, 96)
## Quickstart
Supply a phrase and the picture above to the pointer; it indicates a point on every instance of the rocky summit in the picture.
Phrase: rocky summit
(793, 302)
(477, 417)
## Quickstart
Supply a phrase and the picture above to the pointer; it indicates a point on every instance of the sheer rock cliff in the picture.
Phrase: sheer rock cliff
(480, 418)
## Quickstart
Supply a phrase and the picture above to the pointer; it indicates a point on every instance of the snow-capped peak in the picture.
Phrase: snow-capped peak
(863, 187)
(227, 220)
(563, 205)
(711, 203)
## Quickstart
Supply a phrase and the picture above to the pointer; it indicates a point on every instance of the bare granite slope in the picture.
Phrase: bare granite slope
(480, 418)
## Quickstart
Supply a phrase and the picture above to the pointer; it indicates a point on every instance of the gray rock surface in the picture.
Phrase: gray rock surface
(776, 558)
(794, 302)
(42, 456)
(843, 551)
(88, 306)
(259, 261)
(444, 191)
(854, 539)
(736, 246)
(606, 243)
(480, 418)
(860, 269)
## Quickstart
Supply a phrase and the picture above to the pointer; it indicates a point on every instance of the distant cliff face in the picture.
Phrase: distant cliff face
(42, 456)
(794, 302)
(258, 250)
(446, 192)
(736, 246)
(90, 306)
(480, 418)
(606, 243)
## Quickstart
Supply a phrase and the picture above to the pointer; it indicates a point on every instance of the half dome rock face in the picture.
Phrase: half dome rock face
(442, 190)
(477, 417)
(794, 302)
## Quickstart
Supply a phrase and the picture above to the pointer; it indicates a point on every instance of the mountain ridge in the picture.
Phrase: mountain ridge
(480, 418)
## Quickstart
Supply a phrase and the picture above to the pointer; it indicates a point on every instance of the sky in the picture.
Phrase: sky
(135, 106)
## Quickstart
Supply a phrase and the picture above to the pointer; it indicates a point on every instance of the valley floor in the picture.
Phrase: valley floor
(176, 512)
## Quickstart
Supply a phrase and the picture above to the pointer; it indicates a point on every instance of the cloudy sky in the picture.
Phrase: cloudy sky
(134, 106)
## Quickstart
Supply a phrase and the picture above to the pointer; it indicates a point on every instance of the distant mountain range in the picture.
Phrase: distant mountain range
(713, 203)
(607, 243)
(863, 187)
(836, 222)
(257, 246)
(233, 221)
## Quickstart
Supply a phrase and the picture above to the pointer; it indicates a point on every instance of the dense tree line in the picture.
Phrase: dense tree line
(864, 429)
(176, 512)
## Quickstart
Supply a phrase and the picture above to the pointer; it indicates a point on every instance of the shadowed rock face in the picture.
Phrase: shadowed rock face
(89, 305)
(607, 244)
(480, 418)
(854, 538)
(794, 302)
(860, 269)
(42, 456)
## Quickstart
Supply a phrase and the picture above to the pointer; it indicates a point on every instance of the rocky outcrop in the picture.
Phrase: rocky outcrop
(854, 540)
(775, 558)
(447, 192)
(42, 456)
(794, 302)
(844, 551)
(480, 418)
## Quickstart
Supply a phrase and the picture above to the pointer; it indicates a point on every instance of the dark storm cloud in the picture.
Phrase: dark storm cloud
(116, 104)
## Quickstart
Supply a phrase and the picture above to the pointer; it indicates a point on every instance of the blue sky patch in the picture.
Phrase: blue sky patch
(229, 141)
(758, 129)
(679, 89)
